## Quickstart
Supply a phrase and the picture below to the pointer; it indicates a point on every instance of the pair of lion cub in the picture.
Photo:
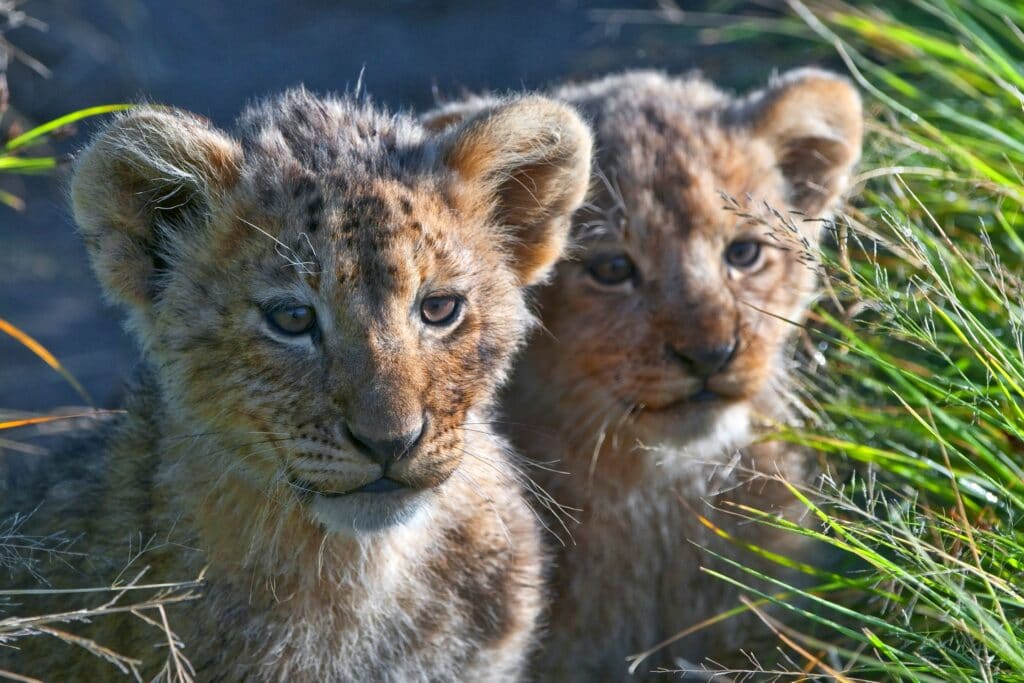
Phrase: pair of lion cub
(328, 302)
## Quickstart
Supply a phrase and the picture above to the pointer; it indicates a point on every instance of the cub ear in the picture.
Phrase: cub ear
(141, 187)
(447, 115)
(813, 120)
(526, 163)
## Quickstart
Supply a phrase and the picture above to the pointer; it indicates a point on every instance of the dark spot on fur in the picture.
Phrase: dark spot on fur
(406, 205)
(378, 273)
(337, 182)
(488, 355)
(365, 214)
(456, 394)
(267, 195)
(314, 209)
(303, 186)
(300, 116)
(157, 249)
(655, 118)
(370, 207)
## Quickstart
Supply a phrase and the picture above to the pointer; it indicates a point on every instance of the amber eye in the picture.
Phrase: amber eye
(293, 319)
(440, 310)
(612, 269)
(743, 254)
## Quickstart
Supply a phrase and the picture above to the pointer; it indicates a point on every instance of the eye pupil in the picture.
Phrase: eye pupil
(439, 310)
(292, 320)
(612, 270)
(743, 254)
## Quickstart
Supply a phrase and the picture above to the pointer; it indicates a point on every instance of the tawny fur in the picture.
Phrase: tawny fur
(235, 436)
(603, 393)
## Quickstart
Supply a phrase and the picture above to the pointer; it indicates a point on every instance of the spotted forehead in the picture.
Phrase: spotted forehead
(684, 178)
(372, 231)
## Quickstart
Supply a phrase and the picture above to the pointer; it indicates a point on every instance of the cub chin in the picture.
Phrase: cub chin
(327, 301)
(667, 345)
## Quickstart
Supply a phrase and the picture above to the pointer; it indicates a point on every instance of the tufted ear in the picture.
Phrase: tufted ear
(813, 120)
(526, 163)
(141, 186)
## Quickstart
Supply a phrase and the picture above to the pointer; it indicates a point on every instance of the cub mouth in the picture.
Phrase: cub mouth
(703, 397)
(375, 506)
(383, 486)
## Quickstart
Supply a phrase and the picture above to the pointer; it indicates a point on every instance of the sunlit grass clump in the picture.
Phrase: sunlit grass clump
(922, 328)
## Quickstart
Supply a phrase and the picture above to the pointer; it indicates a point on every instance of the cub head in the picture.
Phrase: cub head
(329, 295)
(696, 255)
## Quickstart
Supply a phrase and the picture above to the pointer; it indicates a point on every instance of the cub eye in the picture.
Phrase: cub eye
(292, 320)
(440, 310)
(612, 269)
(743, 254)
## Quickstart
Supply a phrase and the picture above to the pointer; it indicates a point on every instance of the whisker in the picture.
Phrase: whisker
(284, 251)
(557, 510)
(529, 462)
(476, 489)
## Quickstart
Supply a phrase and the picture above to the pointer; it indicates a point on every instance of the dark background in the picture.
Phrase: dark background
(211, 57)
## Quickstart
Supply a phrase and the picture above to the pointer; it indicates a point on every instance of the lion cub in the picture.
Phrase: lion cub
(667, 346)
(327, 303)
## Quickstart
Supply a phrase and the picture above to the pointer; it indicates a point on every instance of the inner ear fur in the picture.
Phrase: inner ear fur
(528, 162)
(147, 180)
(813, 119)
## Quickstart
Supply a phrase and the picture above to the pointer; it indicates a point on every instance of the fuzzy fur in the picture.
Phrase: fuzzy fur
(602, 397)
(236, 437)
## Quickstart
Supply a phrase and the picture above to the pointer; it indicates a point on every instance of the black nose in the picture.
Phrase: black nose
(388, 449)
(705, 360)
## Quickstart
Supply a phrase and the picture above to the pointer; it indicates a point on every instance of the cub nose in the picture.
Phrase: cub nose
(385, 450)
(705, 360)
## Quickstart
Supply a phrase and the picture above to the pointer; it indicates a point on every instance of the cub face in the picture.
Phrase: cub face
(329, 296)
(694, 255)
(697, 253)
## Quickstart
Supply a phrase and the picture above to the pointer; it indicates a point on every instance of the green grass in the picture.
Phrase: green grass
(16, 155)
(922, 329)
